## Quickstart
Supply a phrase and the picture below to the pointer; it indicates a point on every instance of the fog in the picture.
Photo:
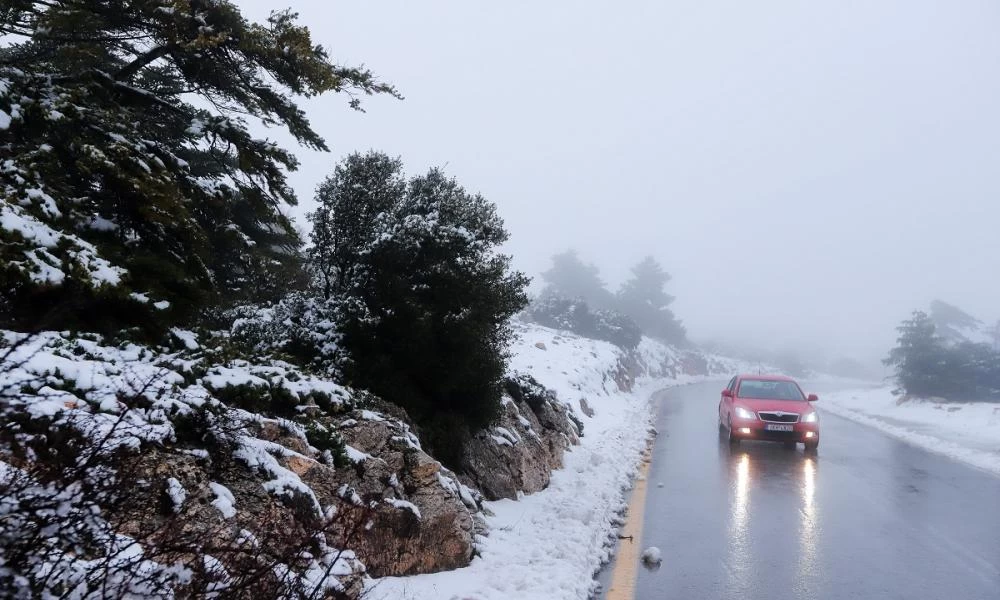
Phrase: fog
(808, 172)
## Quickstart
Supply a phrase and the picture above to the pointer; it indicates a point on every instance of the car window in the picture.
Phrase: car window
(732, 384)
(770, 390)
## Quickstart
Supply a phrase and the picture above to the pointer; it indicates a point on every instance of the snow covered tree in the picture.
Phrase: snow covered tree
(642, 297)
(361, 188)
(570, 277)
(928, 364)
(919, 357)
(423, 296)
(133, 189)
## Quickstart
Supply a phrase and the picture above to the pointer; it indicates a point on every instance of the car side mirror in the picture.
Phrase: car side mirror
(812, 397)
(727, 393)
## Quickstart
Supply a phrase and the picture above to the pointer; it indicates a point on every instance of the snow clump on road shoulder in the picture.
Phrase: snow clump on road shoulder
(652, 556)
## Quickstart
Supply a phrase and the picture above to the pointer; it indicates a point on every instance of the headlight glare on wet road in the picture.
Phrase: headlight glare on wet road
(744, 413)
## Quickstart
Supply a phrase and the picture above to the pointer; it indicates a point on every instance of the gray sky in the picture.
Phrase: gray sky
(809, 172)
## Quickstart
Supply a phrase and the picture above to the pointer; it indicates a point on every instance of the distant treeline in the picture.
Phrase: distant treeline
(576, 299)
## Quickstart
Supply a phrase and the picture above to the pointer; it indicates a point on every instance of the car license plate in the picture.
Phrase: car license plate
(778, 427)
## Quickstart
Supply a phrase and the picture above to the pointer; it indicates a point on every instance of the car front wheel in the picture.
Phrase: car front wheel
(811, 446)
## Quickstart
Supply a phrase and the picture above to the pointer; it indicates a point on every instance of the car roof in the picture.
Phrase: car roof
(765, 377)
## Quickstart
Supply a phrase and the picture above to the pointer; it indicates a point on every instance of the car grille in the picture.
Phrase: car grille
(771, 417)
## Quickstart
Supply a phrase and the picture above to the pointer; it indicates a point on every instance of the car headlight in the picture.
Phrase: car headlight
(810, 418)
(744, 413)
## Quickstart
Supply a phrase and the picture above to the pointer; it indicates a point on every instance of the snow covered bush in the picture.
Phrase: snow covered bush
(522, 387)
(91, 437)
(300, 326)
(560, 312)
(424, 297)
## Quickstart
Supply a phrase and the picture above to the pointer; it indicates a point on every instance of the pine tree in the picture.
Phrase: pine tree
(131, 180)
(569, 277)
(927, 364)
(919, 357)
(643, 298)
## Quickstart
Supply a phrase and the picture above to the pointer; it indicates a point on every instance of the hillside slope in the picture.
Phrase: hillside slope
(260, 470)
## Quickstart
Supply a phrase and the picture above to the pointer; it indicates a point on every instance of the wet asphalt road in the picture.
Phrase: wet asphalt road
(866, 517)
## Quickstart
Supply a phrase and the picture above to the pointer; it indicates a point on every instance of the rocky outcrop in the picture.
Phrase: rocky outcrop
(397, 509)
(519, 453)
(422, 515)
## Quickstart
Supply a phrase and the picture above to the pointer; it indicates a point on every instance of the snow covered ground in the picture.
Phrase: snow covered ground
(969, 432)
(548, 546)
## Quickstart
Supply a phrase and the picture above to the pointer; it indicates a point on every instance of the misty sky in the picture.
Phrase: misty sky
(809, 172)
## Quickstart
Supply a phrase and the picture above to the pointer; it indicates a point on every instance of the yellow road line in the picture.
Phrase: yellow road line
(623, 576)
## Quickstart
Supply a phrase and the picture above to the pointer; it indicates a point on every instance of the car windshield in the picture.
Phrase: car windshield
(769, 390)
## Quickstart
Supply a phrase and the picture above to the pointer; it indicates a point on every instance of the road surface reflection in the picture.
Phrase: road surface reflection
(758, 474)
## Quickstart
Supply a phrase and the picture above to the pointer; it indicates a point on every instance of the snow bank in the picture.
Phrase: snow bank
(969, 432)
(549, 545)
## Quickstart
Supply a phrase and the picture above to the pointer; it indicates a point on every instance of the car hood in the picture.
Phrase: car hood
(793, 406)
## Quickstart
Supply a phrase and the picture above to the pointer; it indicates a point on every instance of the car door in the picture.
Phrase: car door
(726, 403)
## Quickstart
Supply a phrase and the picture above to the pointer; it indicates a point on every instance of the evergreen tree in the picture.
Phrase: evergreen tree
(973, 372)
(928, 365)
(131, 182)
(570, 277)
(423, 297)
(642, 297)
(361, 188)
(919, 357)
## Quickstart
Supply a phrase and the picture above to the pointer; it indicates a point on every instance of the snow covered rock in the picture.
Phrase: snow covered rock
(520, 452)
(651, 557)
(206, 464)
(421, 520)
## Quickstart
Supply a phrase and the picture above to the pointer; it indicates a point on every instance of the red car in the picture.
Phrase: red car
(768, 407)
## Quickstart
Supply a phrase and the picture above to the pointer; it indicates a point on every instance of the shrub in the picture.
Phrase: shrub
(300, 326)
(525, 388)
(271, 399)
(329, 443)
(558, 312)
